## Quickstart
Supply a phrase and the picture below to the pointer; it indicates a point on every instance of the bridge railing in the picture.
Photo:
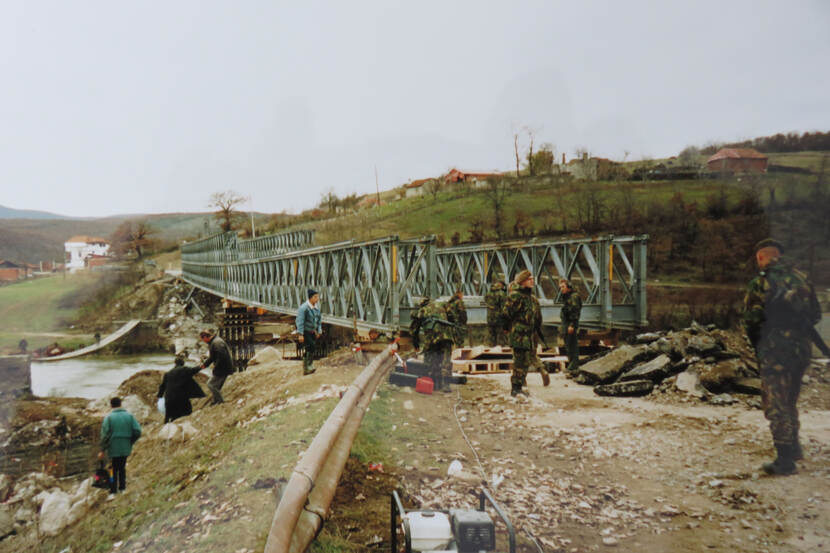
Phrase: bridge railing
(608, 272)
(376, 284)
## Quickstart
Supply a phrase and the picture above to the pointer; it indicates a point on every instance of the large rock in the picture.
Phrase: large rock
(54, 512)
(655, 370)
(610, 366)
(702, 345)
(6, 521)
(629, 388)
(688, 381)
(132, 403)
(719, 377)
(265, 356)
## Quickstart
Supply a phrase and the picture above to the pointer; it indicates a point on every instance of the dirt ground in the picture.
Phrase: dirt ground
(577, 472)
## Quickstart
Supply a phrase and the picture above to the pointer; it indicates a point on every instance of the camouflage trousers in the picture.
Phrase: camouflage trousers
(523, 360)
(437, 357)
(572, 348)
(781, 373)
(496, 335)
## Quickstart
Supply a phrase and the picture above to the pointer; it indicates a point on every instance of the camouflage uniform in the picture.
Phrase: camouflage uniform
(572, 306)
(438, 338)
(457, 314)
(495, 299)
(523, 314)
(782, 347)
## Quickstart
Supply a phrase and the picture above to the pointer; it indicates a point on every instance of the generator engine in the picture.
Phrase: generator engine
(448, 531)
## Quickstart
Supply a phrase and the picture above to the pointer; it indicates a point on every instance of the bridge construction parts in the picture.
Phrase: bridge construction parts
(377, 284)
(312, 472)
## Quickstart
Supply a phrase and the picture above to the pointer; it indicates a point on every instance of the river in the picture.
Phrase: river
(92, 377)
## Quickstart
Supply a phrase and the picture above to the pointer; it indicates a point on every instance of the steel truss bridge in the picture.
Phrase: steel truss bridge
(377, 284)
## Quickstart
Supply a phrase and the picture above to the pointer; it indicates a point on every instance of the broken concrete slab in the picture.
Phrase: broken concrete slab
(610, 366)
(747, 386)
(654, 370)
(719, 377)
(647, 337)
(625, 389)
(703, 345)
(688, 381)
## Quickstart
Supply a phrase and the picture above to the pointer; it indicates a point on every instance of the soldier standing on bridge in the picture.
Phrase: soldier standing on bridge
(220, 357)
(457, 315)
(310, 327)
(780, 310)
(569, 328)
(432, 318)
(494, 299)
(524, 316)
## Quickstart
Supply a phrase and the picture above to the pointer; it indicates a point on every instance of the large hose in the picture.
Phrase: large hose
(313, 471)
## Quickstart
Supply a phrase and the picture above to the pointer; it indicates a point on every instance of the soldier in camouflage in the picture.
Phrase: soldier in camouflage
(778, 302)
(457, 315)
(431, 318)
(524, 317)
(494, 299)
(569, 327)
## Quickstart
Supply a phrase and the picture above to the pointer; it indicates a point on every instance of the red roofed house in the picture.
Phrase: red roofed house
(11, 271)
(80, 248)
(415, 188)
(737, 160)
(478, 178)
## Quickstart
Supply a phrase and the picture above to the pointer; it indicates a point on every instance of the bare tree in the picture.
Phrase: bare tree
(496, 193)
(329, 200)
(433, 186)
(132, 236)
(516, 151)
(225, 204)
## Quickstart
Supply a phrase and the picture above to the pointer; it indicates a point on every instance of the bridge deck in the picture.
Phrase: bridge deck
(114, 337)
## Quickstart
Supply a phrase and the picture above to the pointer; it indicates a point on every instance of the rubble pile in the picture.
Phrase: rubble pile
(182, 314)
(695, 363)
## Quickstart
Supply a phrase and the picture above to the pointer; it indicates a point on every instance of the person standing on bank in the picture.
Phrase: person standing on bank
(310, 327)
(432, 318)
(220, 357)
(177, 387)
(494, 299)
(524, 317)
(118, 434)
(780, 310)
(569, 327)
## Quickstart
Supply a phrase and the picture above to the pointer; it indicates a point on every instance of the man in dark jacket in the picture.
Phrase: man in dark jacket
(177, 387)
(220, 357)
(494, 299)
(524, 316)
(118, 434)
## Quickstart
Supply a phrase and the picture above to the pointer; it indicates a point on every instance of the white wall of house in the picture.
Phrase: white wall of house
(415, 191)
(77, 252)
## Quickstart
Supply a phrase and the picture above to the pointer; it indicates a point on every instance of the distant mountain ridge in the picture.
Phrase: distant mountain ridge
(11, 213)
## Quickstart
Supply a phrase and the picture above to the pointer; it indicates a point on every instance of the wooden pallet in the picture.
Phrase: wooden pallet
(498, 359)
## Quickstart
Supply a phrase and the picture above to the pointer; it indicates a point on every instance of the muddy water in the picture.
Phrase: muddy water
(92, 377)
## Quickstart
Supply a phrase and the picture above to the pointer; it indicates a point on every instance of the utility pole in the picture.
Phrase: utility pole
(377, 186)
(253, 230)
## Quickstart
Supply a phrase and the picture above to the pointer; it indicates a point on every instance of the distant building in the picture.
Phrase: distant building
(11, 271)
(415, 188)
(737, 160)
(477, 178)
(80, 249)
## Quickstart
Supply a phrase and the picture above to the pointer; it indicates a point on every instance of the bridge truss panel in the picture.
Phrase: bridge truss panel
(377, 284)
(608, 272)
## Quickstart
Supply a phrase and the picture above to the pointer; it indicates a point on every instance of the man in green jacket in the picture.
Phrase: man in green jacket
(524, 317)
(569, 329)
(118, 434)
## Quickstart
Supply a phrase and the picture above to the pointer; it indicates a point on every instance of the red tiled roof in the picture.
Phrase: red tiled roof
(736, 153)
(416, 183)
(88, 239)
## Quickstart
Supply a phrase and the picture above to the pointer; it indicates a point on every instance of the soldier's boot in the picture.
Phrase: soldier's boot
(798, 453)
(783, 464)
(545, 376)
(514, 390)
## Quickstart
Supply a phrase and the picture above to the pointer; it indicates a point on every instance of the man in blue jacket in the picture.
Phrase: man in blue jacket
(118, 434)
(310, 328)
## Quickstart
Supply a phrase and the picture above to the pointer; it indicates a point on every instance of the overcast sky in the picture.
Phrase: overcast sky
(148, 107)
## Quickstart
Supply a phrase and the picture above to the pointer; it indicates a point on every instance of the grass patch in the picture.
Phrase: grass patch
(42, 304)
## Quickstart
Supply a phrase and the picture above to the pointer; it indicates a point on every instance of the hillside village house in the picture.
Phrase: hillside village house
(85, 251)
(11, 271)
(737, 160)
(415, 188)
(477, 178)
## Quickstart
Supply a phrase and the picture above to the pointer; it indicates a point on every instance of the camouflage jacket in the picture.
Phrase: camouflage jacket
(494, 299)
(572, 306)
(523, 316)
(773, 317)
(457, 314)
(432, 320)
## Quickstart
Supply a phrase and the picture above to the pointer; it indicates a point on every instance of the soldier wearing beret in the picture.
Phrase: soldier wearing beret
(780, 307)
(524, 317)
(569, 327)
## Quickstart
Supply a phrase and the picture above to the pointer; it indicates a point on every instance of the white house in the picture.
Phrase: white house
(79, 249)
